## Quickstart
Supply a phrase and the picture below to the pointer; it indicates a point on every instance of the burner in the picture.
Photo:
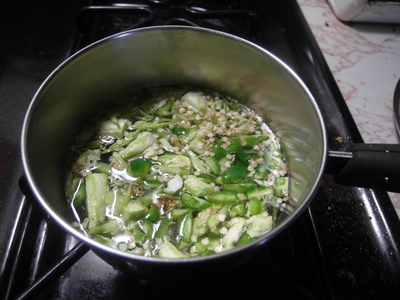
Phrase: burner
(108, 19)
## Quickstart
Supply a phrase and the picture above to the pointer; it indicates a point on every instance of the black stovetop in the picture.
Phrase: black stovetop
(345, 246)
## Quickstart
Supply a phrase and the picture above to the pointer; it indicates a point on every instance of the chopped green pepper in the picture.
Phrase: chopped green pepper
(258, 225)
(239, 209)
(196, 101)
(213, 163)
(254, 206)
(151, 183)
(76, 190)
(239, 187)
(96, 188)
(168, 250)
(165, 109)
(234, 147)
(137, 146)
(245, 239)
(235, 173)
(175, 164)
(177, 213)
(153, 214)
(177, 180)
(197, 186)
(281, 186)
(223, 197)
(134, 209)
(180, 130)
(113, 127)
(234, 233)
(163, 228)
(148, 228)
(140, 168)
(246, 156)
(111, 227)
(200, 166)
(208, 245)
(185, 227)
(197, 145)
(218, 149)
(101, 167)
(194, 203)
(259, 192)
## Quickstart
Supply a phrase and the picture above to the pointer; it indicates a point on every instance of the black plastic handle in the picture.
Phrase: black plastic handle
(375, 166)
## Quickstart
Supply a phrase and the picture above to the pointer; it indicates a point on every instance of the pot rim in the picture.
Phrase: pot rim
(396, 106)
(94, 244)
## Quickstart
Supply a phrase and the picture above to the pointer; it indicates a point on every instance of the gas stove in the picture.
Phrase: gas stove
(345, 246)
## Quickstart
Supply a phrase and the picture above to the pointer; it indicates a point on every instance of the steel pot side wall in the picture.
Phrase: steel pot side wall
(97, 75)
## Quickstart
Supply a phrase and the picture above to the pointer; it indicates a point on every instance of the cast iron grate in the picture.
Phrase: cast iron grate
(101, 20)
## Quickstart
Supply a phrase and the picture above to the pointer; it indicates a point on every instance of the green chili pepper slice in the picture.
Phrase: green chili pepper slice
(151, 183)
(218, 149)
(180, 130)
(163, 228)
(254, 206)
(281, 186)
(223, 197)
(239, 209)
(185, 227)
(148, 228)
(206, 177)
(153, 214)
(140, 168)
(251, 141)
(165, 109)
(213, 163)
(234, 147)
(194, 203)
(239, 187)
(246, 156)
(244, 239)
(235, 173)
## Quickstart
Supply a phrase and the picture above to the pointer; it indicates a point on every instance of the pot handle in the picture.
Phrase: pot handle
(375, 166)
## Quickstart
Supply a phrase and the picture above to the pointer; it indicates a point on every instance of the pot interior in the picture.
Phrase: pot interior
(97, 75)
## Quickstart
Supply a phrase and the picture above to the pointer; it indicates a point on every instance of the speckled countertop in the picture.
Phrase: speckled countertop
(365, 61)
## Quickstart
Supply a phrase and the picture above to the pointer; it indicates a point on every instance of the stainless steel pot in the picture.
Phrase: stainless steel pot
(95, 76)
